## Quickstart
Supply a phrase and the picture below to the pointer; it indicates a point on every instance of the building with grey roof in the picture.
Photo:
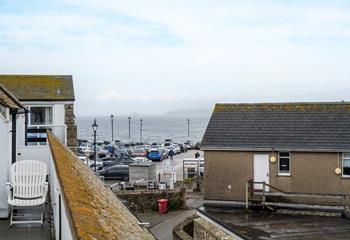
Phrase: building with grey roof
(296, 147)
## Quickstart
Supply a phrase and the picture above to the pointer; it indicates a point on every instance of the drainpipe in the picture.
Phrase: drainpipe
(25, 127)
(13, 131)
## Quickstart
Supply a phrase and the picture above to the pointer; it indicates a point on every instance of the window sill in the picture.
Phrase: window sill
(283, 175)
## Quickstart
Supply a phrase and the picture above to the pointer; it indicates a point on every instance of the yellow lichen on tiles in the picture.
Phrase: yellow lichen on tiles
(95, 211)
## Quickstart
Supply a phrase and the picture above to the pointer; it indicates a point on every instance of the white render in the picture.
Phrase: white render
(5, 160)
(58, 205)
(58, 126)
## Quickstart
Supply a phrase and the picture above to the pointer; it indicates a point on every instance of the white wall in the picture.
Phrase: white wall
(59, 129)
(5, 152)
(55, 191)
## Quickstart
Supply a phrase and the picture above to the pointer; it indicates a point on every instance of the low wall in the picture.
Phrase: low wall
(203, 230)
(184, 230)
(141, 201)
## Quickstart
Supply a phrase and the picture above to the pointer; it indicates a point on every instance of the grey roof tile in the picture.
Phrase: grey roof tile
(274, 126)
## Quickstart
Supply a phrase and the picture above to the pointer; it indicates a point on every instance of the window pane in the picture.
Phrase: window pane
(284, 165)
(284, 154)
(347, 155)
(41, 115)
(346, 167)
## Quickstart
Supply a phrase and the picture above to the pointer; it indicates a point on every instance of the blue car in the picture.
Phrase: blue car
(155, 155)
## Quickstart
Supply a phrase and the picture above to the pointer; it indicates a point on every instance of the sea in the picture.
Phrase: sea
(154, 128)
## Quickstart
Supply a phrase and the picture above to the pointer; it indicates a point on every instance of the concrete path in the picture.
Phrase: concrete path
(162, 225)
(164, 230)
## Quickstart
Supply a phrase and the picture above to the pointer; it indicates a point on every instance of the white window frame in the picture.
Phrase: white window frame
(290, 164)
(40, 126)
(342, 165)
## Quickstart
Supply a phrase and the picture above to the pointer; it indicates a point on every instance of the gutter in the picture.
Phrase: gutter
(13, 113)
(251, 149)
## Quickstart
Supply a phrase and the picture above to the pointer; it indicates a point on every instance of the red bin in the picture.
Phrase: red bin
(162, 205)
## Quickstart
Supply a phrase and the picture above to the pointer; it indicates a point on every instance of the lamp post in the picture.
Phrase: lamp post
(112, 117)
(129, 118)
(188, 128)
(141, 130)
(94, 128)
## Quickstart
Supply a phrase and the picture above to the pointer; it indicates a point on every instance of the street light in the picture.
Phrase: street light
(112, 117)
(129, 118)
(141, 130)
(188, 128)
(94, 128)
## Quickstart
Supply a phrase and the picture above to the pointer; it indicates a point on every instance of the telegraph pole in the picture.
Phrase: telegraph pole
(188, 129)
(141, 130)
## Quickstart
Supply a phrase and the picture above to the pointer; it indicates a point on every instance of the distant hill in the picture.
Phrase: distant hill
(191, 113)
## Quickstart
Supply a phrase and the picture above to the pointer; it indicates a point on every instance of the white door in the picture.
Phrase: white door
(261, 170)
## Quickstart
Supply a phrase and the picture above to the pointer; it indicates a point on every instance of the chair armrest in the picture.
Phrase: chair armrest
(46, 188)
(8, 188)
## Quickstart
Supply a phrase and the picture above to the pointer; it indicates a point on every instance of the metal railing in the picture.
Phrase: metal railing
(253, 194)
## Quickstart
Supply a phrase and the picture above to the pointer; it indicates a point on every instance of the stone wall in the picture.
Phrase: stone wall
(71, 127)
(203, 230)
(141, 201)
(184, 230)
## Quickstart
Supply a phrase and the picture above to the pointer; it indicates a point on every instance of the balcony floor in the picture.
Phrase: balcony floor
(27, 231)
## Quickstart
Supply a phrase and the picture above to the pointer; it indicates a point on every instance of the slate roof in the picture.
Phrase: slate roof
(279, 126)
(8, 100)
(40, 87)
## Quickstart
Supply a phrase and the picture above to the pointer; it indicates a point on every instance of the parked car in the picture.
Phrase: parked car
(116, 172)
(123, 152)
(139, 153)
(177, 148)
(156, 154)
(182, 148)
(141, 159)
(188, 145)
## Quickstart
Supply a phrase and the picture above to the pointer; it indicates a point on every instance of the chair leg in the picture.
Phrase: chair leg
(42, 215)
(11, 216)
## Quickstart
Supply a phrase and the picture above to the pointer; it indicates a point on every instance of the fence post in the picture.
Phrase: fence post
(247, 194)
(263, 200)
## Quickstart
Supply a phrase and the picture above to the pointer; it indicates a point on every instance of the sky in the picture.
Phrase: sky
(156, 56)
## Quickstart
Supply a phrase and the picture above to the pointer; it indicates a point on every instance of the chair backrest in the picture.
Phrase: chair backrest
(28, 178)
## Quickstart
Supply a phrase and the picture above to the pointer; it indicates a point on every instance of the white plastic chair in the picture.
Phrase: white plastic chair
(27, 187)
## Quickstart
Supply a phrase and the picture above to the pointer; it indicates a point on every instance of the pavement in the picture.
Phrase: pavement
(162, 225)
